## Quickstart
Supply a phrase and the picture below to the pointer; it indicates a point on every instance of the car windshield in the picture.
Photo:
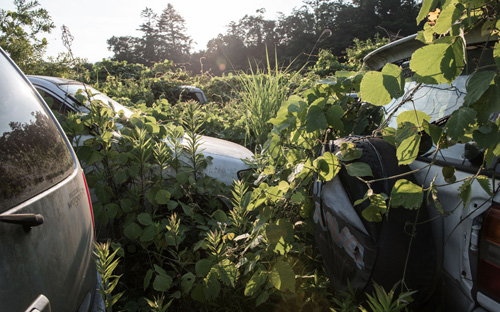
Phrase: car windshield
(437, 101)
(72, 88)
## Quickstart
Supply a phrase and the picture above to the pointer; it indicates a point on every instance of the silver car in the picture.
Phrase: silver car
(227, 157)
(46, 220)
(454, 260)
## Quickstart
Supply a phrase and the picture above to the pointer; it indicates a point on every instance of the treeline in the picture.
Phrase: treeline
(295, 38)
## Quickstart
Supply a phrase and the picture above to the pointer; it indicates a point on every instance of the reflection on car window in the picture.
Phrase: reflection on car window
(33, 153)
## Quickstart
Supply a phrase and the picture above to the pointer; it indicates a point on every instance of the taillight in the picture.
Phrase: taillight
(489, 254)
(90, 202)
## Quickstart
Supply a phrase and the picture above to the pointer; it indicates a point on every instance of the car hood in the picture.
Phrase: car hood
(227, 158)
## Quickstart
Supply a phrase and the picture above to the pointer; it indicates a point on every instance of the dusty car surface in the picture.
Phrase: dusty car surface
(46, 220)
(226, 156)
(454, 259)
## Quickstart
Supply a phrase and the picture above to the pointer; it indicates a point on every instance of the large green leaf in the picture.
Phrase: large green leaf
(437, 63)
(477, 85)
(162, 283)
(359, 169)
(282, 276)
(377, 207)
(460, 121)
(327, 166)
(379, 88)
(406, 194)
(145, 218)
(334, 117)
(448, 16)
(256, 281)
(407, 151)
(132, 230)
(315, 119)
(202, 267)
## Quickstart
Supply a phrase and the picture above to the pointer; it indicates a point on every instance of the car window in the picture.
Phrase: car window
(54, 103)
(75, 88)
(33, 153)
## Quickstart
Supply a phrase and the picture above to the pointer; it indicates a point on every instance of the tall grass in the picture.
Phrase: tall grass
(261, 96)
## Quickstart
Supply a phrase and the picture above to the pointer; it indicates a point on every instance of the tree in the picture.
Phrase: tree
(163, 38)
(20, 32)
(171, 29)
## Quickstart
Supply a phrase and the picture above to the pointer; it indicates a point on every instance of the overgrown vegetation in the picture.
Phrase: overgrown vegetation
(188, 242)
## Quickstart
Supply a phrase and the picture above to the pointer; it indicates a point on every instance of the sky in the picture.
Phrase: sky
(92, 22)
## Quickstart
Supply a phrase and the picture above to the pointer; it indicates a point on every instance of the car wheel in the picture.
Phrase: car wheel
(357, 253)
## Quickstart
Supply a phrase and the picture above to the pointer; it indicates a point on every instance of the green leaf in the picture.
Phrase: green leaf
(147, 279)
(359, 169)
(435, 199)
(282, 276)
(407, 151)
(187, 281)
(415, 117)
(263, 297)
(460, 121)
(120, 176)
(126, 205)
(334, 116)
(256, 281)
(406, 194)
(327, 166)
(372, 213)
(315, 119)
(132, 230)
(349, 152)
(162, 197)
(212, 285)
(111, 210)
(145, 218)
(465, 192)
(488, 104)
(162, 283)
(148, 234)
(377, 207)
(379, 88)
(478, 84)
(449, 174)
(202, 267)
(486, 135)
(448, 16)
(219, 215)
(484, 181)
(436, 63)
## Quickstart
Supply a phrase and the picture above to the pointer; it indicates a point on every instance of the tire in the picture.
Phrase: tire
(356, 256)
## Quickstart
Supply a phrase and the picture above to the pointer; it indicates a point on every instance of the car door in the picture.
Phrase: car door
(46, 227)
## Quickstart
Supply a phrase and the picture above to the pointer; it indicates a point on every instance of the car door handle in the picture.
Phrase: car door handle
(27, 220)
(41, 304)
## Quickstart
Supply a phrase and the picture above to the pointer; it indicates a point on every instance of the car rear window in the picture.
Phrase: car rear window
(33, 153)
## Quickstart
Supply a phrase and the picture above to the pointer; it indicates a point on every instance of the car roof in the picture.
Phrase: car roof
(402, 49)
(392, 52)
(55, 80)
